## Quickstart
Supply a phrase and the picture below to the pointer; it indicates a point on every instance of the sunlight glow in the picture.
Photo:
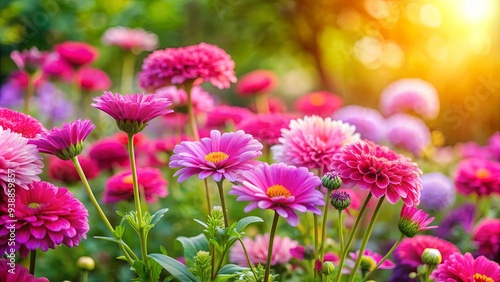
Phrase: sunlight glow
(477, 10)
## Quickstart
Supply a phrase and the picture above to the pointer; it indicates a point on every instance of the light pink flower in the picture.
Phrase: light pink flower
(408, 132)
(369, 123)
(265, 127)
(131, 39)
(257, 250)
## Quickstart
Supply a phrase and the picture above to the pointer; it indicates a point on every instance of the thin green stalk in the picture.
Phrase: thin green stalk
(323, 230)
(224, 253)
(351, 237)
(223, 202)
(192, 118)
(270, 249)
(85, 276)
(32, 261)
(127, 83)
(262, 103)
(212, 251)
(341, 233)
(366, 237)
(396, 244)
(248, 258)
(30, 91)
(207, 195)
(316, 233)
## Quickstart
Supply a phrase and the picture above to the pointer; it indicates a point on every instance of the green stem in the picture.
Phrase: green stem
(351, 237)
(223, 202)
(262, 103)
(127, 83)
(248, 258)
(207, 195)
(341, 233)
(192, 118)
(30, 91)
(366, 237)
(212, 251)
(323, 230)
(32, 261)
(224, 253)
(396, 244)
(85, 276)
(270, 249)
(315, 222)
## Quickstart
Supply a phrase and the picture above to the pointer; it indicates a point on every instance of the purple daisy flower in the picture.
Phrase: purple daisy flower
(369, 123)
(219, 156)
(282, 188)
(65, 142)
(438, 191)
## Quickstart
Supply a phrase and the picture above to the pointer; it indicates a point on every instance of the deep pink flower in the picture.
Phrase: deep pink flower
(332, 257)
(487, 238)
(109, 154)
(18, 273)
(220, 156)
(119, 187)
(380, 170)
(408, 132)
(178, 65)
(410, 94)
(76, 53)
(29, 60)
(257, 82)
(369, 123)
(312, 141)
(223, 115)
(65, 171)
(20, 123)
(20, 162)
(257, 250)
(65, 142)
(478, 176)
(473, 150)
(158, 151)
(91, 79)
(413, 221)
(409, 252)
(353, 256)
(464, 268)
(47, 216)
(282, 188)
(265, 127)
(57, 67)
(321, 103)
(135, 40)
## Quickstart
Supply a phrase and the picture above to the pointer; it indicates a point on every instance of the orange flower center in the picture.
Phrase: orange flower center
(216, 157)
(482, 278)
(278, 190)
(128, 179)
(483, 173)
(317, 99)
(34, 205)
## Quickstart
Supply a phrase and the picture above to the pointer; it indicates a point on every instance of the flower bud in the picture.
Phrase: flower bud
(340, 200)
(331, 181)
(328, 268)
(367, 263)
(202, 258)
(86, 263)
(431, 256)
(408, 227)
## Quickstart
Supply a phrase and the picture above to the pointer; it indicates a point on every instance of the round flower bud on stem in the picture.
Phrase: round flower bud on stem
(340, 200)
(328, 268)
(331, 181)
(86, 263)
(431, 256)
(367, 264)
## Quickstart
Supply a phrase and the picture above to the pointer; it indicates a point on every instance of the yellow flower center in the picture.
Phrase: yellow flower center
(482, 278)
(317, 99)
(483, 173)
(34, 205)
(128, 179)
(278, 190)
(216, 157)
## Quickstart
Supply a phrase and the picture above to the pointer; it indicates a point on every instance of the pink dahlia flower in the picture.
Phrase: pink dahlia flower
(223, 115)
(47, 216)
(56, 67)
(312, 141)
(18, 273)
(408, 132)
(410, 94)
(132, 112)
(178, 65)
(65, 142)
(135, 40)
(76, 53)
(29, 60)
(265, 127)
(487, 238)
(91, 79)
(257, 81)
(321, 103)
(257, 250)
(65, 171)
(219, 156)
(413, 221)
(380, 170)
(478, 176)
(369, 123)
(464, 268)
(20, 162)
(120, 186)
(20, 123)
(438, 191)
(109, 154)
(353, 256)
(409, 252)
(282, 188)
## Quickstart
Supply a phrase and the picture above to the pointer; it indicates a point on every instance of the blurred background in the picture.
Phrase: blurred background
(352, 48)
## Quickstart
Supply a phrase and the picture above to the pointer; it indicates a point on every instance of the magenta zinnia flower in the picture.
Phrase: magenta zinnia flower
(47, 216)
(18, 273)
(76, 53)
(20, 123)
(217, 156)
(494, 146)
(408, 132)
(257, 250)
(312, 141)
(413, 221)
(487, 238)
(464, 268)
(380, 170)
(132, 112)
(65, 142)
(321, 103)
(65, 171)
(257, 82)
(282, 188)
(223, 115)
(178, 65)
(265, 127)
(369, 123)
(478, 176)
(135, 40)
(120, 186)
(109, 154)
(92, 79)
(20, 162)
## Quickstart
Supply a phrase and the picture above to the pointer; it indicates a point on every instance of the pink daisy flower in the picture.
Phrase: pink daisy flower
(374, 256)
(413, 221)
(178, 65)
(57, 68)
(312, 141)
(20, 162)
(282, 188)
(257, 250)
(321, 103)
(119, 187)
(478, 176)
(18, 273)
(135, 40)
(380, 170)
(76, 53)
(65, 142)
(464, 268)
(109, 154)
(409, 252)
(219, 156)
(410, 94)
(265, 127)
(408, 132)
(91, 79)
(132, 112)
(20, 123)
(223, 115)
(369, 123)
(29, 60)
(65, 171)
(256, 82)
(487, 238)
(47, 216)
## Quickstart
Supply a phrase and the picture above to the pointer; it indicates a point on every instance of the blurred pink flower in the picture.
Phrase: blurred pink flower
(21, 123)
(58, 68)
(464, 268)
(18, 273)
(321, 103)
(135, 40)
(29, 60)
(223, 115)
(65, 171)
(473, 150)
(109, 154)
(257, 250)
(478, 176)
(487, 238)
(91, 79)
(369, 123)
(353, 256)
(408, 132)
(257, 82)
(265, 127)
(76, 53)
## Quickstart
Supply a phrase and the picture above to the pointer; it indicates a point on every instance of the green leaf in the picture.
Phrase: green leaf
(224, 277)
(192, 245)
(231, 269)
(119, 231)
(201, 222)
(111, 239)
(140, 269)
(155, 269)
(158, 215)
(163, 250)
(244, 222)
(175, 268)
